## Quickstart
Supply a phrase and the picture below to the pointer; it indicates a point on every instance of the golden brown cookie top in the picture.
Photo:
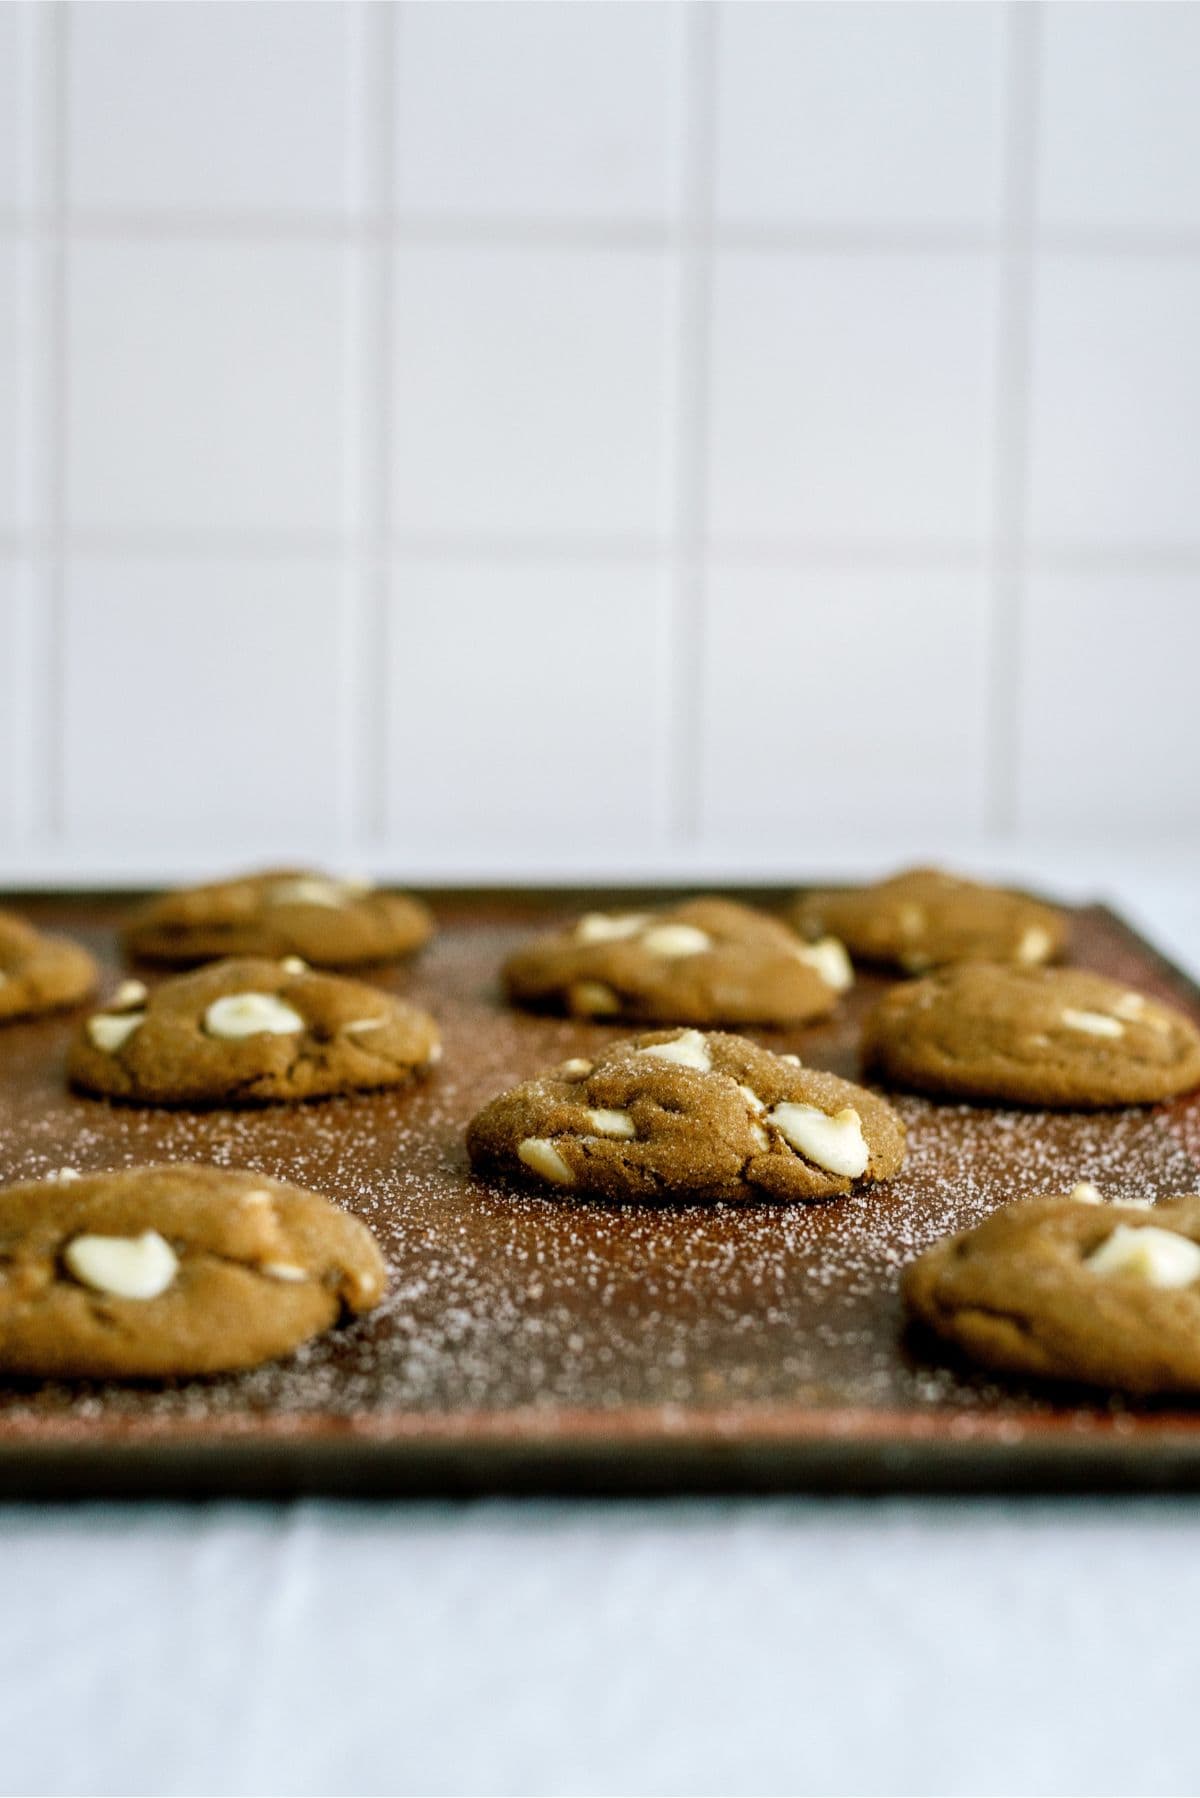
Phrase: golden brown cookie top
(289, 911)
(1068, 1288)
(1035, 1036)
(689, 1113)
(159, 1271)
(707, 961)
(925, 919)
(247, 1031)
(38, 972)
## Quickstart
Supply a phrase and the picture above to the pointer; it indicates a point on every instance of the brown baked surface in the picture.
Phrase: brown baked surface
(694, 1133)
(1015, 1294)
(225, 1309)
(40, 972)
(268, 914)
(924, 918)
(1022, 1035)
(751, 974)
(355, 1037)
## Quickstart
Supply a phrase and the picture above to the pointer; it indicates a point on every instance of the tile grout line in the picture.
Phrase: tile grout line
(685, 632)
(1013, 393)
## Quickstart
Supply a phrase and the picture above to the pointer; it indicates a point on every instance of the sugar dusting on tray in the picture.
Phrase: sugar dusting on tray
(504, 1300)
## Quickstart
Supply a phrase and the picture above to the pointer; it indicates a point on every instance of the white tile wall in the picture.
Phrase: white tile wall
(482, 438)
(227, 721)
(530, 391)
(1106, 692)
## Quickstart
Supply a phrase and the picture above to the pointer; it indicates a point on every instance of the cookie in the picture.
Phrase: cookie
(688, 1114)
(40, 973)
(331, 923)
(168, 1271)
(1062, 1287)
(709, 961)
(247, 1032)
(1031, 1036)
(924, 919)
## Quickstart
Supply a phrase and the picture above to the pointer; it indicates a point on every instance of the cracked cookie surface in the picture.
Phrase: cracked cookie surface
(40, 973)
(331, 923)
(689, 1114)
(924, 919)
(1033, 1036)
(1105, 1294)
(168, 1271)
(707, 961)
(249, 1031)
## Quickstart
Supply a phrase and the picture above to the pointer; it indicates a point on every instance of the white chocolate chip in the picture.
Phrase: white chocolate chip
(1092, 1023)
(126, 1267)
(576, 1069)
(690, 1050)
(1160, 1257)
(539, 1153)
(835, 1143)
(108, 1033)
(609, 927)
(759, 1136)
(612, 1123)
(308, 889)
(1084, 1193)
(1035, 944)
(792, 1060)
(282, 1270)
(434, 1055)
(830, 960)
(129, 994)
(1129, 1006)
(294, 964)
(360, 1025)
(676, 940)
(251, 1014)
(911, 920)
(752, 1099)
(66, 1174)
(594, 998)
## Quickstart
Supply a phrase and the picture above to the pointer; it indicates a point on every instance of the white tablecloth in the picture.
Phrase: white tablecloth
(773, 1646)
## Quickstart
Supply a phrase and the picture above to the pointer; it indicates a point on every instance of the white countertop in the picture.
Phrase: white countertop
(733, 1646)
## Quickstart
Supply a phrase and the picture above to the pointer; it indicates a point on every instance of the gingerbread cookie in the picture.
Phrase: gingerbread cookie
(685, 1114)
(331, 923)
(1063, 1287)
(40, 973)
(710, 961)
(249, 1031)
(169, 1271)
(925, 919)
(1033, 1036)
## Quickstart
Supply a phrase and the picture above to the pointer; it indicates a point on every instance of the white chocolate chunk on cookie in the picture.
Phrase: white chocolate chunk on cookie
(673, 941)
(294, 964)
(576, 1069)
(309, 889)
(1160, 1257)
(1092, 1023)
(251, 1014)
(283, 1270)
(540, 1154)
(1035, 945)
(361, 1026)
(688, 1049)
(609, 927)
(1129, 1006)
(752, 1099)
(129, 996)
(612, 1123)
(1084, 1193)
(835, 1143)
(110, 1033)
(123, 1267)
(830, 960)
(594, 999)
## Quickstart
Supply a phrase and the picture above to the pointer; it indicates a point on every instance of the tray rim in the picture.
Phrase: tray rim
(655, 1452)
